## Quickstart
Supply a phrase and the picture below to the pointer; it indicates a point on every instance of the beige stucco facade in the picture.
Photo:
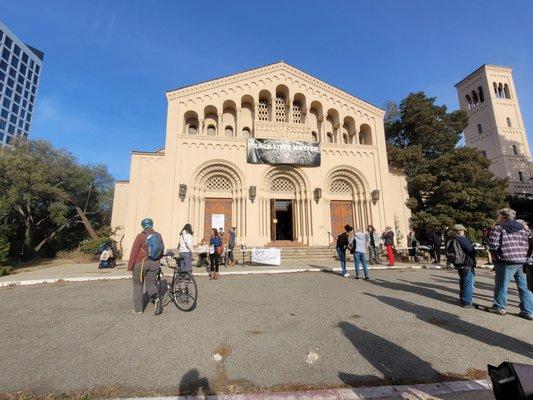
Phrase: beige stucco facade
(495, 125)
(208, 126)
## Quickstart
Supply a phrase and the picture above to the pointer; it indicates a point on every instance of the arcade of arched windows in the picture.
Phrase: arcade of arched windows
(475, 97)
(501, 90)
(241, 120)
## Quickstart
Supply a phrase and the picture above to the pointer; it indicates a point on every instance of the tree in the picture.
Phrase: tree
(447, 184)
(45, 192)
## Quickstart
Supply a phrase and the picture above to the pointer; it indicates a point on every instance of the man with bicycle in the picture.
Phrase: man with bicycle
(144, 266)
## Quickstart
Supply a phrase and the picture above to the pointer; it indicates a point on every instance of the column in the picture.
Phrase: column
(289, 111)
(220, 128)
(238, 128)
(201, 127)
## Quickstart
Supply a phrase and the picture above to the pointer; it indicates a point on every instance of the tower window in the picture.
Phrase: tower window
(479, 129)
(246, 132)
(211, 130)
(506, 91)
(481, 97)
(515, 150)
(330, 137)
(509, 124)
(228, 131)
(468, 101)
(520, 176)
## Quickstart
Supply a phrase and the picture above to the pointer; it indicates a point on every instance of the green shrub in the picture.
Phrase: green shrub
(90, 246)
(5, 271)
(4, 250)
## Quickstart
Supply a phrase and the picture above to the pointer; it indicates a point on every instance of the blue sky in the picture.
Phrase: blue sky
(109, 62)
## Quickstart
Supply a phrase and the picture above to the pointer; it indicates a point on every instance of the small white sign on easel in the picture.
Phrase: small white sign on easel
(217, 221)
(269, 256)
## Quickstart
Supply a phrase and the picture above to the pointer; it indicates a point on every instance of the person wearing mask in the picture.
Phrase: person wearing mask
(232, 241)
(342, 244)
(203, 252)
(412, 244)
(358, 244)
(509, 242)
(185, 248)
(388, 241)
(215, 242)
(465, 263)
(144, 264)
(373, 241)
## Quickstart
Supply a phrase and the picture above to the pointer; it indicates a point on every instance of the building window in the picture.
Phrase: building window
(500, 91)
(345, 138)
(506, 91)
(481, 96)
(228, 131)
(515, 150)
(246, 133)
(296, 112)
(5, 54)
(280, 112)
(211, 130)
(468, 101)
(193, 129)
(509, 124)
(330, 137)
(8, 42)
(262, 110)
(520, 176)
(24, 58)
(479, 129)
(475, 99)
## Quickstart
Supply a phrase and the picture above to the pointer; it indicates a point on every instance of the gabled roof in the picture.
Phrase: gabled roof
(281, 65)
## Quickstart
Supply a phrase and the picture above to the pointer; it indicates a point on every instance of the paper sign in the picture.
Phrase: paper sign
(217, 221)
(266, 256)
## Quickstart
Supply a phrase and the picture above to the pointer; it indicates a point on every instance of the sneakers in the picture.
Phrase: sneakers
(346, 275)
(470, 305)
(526, 316)
(366, 278)
(158, 306)
(137, 312)
(496, 310)
(356, 277)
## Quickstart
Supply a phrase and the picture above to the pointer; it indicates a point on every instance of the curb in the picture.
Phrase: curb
(25, 282)
(422, 391)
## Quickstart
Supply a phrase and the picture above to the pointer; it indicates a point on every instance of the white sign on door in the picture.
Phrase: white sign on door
(217, 221)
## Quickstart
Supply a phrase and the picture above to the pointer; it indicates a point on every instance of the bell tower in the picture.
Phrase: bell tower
(495, 125)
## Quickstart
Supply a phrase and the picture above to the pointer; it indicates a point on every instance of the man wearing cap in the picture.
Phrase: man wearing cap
(509, 242)
(144, 270)
(467, 273)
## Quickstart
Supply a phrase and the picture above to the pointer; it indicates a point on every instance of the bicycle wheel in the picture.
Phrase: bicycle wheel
(185, 292)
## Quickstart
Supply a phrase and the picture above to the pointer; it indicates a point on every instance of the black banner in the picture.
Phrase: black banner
(271, 151)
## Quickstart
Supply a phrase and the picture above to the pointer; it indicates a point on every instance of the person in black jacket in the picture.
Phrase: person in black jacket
(435, 241)
(342, 244)
(466, 270)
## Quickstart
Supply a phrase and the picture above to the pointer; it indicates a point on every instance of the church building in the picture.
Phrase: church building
(274, 151)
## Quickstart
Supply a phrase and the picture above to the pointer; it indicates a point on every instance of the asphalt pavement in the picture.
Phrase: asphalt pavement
(255, 333)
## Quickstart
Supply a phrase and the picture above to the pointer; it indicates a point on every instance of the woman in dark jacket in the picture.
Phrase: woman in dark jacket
(342, 244)
(214, 243)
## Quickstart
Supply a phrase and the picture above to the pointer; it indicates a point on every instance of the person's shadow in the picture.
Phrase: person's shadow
(396, 364)
(192, 385)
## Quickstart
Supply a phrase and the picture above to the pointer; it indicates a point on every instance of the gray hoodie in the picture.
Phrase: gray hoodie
(360, 242)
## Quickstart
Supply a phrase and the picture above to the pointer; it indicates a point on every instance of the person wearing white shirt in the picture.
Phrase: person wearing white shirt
(186, 248)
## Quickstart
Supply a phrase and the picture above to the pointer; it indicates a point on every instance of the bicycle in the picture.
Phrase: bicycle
(183, 290)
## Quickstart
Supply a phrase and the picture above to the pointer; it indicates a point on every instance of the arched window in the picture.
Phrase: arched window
(315, 136)
(345, 138)
(192, 128)
(479, 129)
(469, 101)
(280, 110)
(509, 124)
(211, 130)
(515, 150)
(520, 176)
(495, 88)
(228, 131)
(263, 110)
(500, 91)
(330, 137)
(506, 91)
(246, 132)
(475, 99)
(480, 92)
(365, 134)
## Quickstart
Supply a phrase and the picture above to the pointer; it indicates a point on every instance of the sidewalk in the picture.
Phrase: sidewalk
(72, 272)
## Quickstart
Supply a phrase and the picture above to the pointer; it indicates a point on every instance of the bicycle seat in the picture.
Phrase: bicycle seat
(169, 254)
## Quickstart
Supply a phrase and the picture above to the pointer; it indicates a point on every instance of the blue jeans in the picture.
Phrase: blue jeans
(504, 273)
(467, 278)
(342, 258)
(360, 256)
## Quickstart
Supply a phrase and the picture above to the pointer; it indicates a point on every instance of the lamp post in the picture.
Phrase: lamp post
(317, 194)
(252, 192)
(182, 191)
(375, 196)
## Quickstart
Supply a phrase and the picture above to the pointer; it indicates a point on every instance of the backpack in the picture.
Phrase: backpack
(155, 246)
(455, 254)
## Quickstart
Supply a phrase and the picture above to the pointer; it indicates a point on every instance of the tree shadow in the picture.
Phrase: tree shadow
(396, 364)
(453, 323)
(430, 293)
(191, 384)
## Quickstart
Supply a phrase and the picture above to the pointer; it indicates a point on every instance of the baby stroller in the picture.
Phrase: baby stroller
(106, 256)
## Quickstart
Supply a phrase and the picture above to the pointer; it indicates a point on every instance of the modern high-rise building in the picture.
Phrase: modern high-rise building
(20, 69)
(495, 125)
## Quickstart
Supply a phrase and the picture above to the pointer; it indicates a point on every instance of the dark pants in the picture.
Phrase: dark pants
(214, 258)
(467, 278)
(150, 272)
(231, 257)
(373, 255)
(436, 252)
(202, 259)
(342, 258)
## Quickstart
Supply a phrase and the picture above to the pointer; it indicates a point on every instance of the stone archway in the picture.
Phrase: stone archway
(218, 189)
(285, 188)
(347, 199)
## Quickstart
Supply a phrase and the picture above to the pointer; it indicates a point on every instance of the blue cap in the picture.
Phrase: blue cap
(147, 223)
